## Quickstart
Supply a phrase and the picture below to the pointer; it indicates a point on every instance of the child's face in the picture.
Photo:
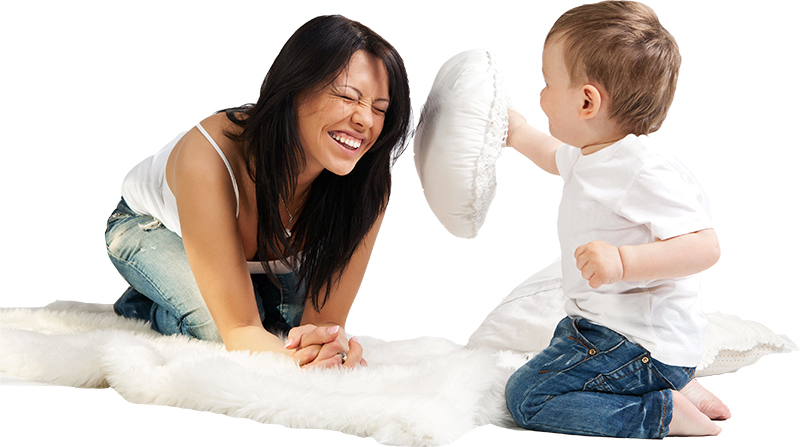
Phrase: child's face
(559, 100)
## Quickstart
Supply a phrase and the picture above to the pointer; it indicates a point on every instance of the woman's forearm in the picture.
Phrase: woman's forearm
(254, 339)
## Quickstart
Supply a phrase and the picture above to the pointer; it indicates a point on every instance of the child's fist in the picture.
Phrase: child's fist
(600, 263)
(515, 120)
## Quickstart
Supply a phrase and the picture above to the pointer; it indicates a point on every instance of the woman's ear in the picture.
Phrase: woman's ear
(591, 101)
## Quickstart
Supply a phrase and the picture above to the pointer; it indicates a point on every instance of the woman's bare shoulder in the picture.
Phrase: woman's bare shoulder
(194, 156)
(219, 128)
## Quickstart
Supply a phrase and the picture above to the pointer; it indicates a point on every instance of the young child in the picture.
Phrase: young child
(634, 233)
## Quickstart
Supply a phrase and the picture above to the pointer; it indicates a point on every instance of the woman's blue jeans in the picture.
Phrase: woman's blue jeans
(163, 290)
(593, 381)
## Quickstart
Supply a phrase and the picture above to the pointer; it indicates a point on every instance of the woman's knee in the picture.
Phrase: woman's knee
(195, 323)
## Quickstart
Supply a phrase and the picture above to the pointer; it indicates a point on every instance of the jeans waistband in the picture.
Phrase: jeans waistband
(123, 206)
(600, 337)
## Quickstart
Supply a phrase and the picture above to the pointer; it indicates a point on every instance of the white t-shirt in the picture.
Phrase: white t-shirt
(146, 191)
(630, 194)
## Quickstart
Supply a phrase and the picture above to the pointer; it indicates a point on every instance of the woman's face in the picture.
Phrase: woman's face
(339, 123)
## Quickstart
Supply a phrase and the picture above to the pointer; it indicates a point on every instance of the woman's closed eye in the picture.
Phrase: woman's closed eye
(347, 98)
(351, 100)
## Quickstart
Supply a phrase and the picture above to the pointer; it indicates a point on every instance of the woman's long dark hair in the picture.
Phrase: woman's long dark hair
(338, 210)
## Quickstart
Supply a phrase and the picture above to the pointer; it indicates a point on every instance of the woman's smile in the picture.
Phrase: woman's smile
(349, 142)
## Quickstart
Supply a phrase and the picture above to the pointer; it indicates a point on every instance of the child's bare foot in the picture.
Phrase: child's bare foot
(707, 403)
(687, 420)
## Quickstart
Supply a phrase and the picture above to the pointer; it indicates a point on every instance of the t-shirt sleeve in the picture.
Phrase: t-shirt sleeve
(566, 157)
(668, 199)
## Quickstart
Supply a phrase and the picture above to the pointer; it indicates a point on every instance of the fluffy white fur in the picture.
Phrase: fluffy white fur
(427, 391)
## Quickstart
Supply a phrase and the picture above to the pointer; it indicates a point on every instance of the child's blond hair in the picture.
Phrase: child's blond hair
(622, 46)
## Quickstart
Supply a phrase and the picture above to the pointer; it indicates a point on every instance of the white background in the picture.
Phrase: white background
(88, 89)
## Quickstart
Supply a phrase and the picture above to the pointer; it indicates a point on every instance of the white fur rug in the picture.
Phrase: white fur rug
(427, 391)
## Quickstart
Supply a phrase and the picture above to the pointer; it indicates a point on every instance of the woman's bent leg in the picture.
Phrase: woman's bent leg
(153, 261)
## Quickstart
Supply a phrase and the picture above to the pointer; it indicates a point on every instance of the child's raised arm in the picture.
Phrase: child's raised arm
(538, 146)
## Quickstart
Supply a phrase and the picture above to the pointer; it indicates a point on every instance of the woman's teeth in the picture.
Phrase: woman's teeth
(350, 142)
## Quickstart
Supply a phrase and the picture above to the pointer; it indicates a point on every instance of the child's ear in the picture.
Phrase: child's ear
(591, 101)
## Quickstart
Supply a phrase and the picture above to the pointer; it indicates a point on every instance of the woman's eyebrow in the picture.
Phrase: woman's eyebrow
(361, 94)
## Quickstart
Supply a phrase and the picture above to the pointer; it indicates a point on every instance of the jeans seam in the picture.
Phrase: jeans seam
(668, 380)
(581, 362)
(663, 418)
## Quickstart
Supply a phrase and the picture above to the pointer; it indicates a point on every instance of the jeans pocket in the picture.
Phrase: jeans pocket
(634, 377)
(673, 377)
(150, 225)
(121, 212)
(115, 217)
(567, 350)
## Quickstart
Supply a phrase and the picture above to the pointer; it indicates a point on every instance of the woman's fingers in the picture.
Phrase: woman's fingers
(329, 356)
(321, 346)
(307, 335)
(355, 355)
(296, 334)
(317, 346)
(332, 362)
(307, 355)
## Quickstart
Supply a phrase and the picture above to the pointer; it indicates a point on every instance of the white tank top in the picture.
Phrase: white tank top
(146, 191)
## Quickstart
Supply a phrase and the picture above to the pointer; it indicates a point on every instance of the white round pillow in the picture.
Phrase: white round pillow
(461, 133)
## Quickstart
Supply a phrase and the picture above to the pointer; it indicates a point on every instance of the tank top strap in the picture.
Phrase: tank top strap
(225, 160)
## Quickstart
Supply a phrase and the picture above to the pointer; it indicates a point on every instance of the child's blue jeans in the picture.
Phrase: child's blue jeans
(163, 290)
(593, 381)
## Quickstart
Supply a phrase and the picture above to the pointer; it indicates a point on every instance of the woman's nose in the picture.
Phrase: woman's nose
(363, 115)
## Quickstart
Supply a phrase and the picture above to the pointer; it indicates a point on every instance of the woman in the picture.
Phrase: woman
(261, 219)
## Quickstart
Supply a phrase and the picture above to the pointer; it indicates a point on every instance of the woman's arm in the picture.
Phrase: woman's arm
(206, 203)
(334, 312)
(538, 146)
(602, 263)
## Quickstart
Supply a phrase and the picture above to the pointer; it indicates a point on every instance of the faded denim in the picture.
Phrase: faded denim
(163, 290)
(592, 381)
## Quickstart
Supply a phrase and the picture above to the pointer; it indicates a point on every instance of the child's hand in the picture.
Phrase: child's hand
(515, 120)
(539, 147)
(600, 263)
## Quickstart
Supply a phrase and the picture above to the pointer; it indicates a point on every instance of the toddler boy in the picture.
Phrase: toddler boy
(634, 232)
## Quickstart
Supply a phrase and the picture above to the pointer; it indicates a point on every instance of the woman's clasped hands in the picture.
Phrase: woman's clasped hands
(314, 346)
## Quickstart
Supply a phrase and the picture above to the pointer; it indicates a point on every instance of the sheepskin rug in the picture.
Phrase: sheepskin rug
(427, 391)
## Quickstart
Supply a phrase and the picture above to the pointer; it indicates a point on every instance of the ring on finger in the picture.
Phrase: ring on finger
(343, 355)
